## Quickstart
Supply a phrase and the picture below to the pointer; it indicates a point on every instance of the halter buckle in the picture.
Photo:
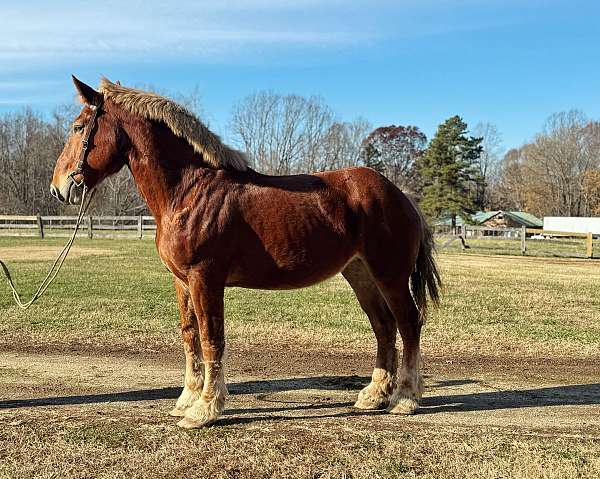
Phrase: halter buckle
(78, 184)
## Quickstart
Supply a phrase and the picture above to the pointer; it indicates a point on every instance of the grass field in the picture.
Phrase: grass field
(117, 293)
(109, 325)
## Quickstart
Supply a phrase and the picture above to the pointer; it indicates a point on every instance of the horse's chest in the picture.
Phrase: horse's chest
(172, 252)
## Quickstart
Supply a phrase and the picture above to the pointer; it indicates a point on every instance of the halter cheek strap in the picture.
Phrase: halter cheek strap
(84, 148)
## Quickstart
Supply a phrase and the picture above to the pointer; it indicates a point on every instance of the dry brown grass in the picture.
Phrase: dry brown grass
(311, 449)
(47, 253)
(508, 327)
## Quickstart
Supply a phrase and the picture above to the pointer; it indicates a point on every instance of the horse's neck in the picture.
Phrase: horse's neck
(162, 165)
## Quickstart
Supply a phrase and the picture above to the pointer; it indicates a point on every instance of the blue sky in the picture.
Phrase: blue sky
(508, 62)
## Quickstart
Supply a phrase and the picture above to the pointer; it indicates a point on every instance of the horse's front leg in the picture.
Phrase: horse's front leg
(207, 296)
(194, 369)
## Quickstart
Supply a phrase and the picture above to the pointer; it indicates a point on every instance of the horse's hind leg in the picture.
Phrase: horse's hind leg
(194, 369)
(378, 393)
(409, 387)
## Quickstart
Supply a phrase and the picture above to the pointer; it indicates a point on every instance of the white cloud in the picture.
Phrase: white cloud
(82, 31)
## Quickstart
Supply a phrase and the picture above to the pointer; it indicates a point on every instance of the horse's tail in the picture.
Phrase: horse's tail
(426, 277)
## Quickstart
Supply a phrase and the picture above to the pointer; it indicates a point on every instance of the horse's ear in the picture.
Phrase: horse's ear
(87, 94)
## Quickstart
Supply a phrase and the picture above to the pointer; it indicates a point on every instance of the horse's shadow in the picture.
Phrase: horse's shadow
(567, 395)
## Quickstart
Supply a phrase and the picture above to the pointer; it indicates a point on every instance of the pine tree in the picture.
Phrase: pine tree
(449, 171)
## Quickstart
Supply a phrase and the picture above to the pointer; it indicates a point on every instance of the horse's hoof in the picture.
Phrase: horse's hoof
(405, 406)
(368, 403)
(177, 412)
(203, 413)
(187, 423)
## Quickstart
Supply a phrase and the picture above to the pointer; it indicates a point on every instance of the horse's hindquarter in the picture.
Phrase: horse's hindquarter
(294, 233)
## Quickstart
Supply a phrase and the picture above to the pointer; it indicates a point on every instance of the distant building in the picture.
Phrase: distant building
(497, 219)
(572, 224)
(507, 219)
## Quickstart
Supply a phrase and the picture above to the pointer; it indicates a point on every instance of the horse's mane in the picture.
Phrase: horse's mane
(179, 120)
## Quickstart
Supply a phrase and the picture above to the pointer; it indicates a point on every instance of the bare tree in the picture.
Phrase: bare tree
(509, 191)
(342, 144)
(282, 134)
(118, 195)
(591, 192)
(555, 174)
(559, 160)
(394, 151)
(489, 160)
(29, 147)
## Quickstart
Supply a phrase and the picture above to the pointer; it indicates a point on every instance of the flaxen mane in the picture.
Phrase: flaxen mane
(179, 120)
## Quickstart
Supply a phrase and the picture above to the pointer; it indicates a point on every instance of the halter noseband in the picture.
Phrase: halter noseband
(85, 142)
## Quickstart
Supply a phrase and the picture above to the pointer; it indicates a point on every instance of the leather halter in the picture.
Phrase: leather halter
(85, 143)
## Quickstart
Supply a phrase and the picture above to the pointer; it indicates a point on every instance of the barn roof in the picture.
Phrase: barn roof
(520, 217)
(526, 219)
(483, 216)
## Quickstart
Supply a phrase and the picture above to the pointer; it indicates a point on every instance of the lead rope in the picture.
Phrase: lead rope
(57, 265)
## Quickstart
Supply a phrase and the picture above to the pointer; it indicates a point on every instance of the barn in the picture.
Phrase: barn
(506, 219)
(497, 219)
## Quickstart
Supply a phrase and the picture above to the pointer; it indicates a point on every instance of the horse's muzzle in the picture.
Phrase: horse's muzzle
(68, 192)
(54, 191)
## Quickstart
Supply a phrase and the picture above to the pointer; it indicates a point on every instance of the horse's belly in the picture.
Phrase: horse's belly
(292, 275)
(295, 245)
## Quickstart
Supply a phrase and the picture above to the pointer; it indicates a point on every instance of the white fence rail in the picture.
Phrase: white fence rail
(92, 226)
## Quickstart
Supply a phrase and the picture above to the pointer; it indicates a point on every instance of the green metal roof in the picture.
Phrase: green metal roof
(525, 219)
(483, 216)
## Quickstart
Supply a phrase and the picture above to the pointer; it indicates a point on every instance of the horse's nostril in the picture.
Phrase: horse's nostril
(54, 192)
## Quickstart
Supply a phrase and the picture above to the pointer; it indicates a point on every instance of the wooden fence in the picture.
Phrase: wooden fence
(560, 243)
(492, 240)
(92, 226)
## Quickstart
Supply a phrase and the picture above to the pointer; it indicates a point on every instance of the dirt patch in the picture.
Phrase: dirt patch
(289, 414)
(262, 389)
(47, 253)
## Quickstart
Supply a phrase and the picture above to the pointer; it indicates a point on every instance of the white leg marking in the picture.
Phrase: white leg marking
(194, 381)
(207, 409)
(377, 394)
(408, 391)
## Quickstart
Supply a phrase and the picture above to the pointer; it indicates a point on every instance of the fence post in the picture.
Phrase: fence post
(589, 243)
(40, 224)
(523, 236)
(140, 226)
(90, 227)
(463, 238)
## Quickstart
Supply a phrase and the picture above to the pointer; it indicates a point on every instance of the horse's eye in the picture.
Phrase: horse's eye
(78, 128)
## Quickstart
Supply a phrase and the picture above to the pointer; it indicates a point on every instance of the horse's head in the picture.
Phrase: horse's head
(95, 149)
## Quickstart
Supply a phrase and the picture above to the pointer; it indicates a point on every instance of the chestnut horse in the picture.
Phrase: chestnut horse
(220, 223)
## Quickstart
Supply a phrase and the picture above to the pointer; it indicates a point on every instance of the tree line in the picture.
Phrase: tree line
(456, 173)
